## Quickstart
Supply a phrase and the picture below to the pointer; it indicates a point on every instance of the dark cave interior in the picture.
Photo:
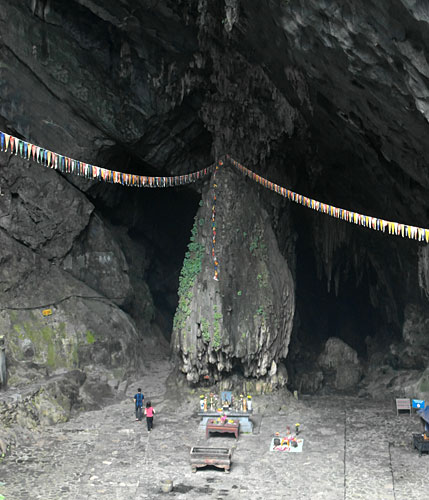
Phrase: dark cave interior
(348, 314)
(160, 220)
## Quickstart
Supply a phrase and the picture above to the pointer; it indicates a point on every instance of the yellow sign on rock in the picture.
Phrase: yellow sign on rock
(47, 312)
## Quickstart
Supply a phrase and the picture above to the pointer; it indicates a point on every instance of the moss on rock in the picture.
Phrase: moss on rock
(52, 343)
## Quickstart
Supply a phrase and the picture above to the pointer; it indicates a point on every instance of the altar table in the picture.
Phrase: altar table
(214, 426)
(246, 425)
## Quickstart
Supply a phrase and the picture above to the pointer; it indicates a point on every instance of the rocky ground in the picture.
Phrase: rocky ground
(354, 448)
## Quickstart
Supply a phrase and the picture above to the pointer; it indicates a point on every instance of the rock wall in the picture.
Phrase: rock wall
(46, 223)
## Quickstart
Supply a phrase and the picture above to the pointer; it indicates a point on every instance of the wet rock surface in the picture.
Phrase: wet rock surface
(353, 448)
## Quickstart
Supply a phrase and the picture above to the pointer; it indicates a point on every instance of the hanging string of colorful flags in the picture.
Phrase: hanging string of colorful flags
(396, 228)
(67, 165)
(215, 261)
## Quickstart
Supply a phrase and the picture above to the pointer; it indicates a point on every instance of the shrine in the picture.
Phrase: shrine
(236, 408)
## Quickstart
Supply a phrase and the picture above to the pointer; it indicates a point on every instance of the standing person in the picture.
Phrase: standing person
(149, 412)
(138, 400)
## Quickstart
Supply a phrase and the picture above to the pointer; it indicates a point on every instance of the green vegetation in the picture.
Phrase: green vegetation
(217, 340)
(191, 268)
(90, 337)
(50, 359)
(261, 313)
(254, 245)
(52, 344)
(262, 279)
(205, 330)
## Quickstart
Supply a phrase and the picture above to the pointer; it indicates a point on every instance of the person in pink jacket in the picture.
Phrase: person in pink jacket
(149, 412)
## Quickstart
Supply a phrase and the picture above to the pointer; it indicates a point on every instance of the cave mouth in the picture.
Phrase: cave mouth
(158, 221)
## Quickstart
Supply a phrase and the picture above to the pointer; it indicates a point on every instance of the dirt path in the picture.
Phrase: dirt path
(353, 449)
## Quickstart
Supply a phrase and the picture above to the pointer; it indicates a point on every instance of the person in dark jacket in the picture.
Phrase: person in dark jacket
(138, 400)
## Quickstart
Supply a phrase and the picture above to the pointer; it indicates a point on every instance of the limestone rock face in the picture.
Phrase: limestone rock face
(45, 221)
(341, 359)
(97, 260)
(40, 209)
(95, 74)
(414, 352)
(46, 405)
(243, 321)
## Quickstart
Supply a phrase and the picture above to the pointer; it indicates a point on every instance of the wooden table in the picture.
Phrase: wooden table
(246, 425)
(214, 426)
(420, 443)
(218, 457)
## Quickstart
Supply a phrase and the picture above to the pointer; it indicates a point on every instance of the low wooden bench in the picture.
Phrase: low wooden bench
(218, 457)
(403, 404)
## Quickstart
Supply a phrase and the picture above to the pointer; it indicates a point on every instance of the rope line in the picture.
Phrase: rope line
(215, 261)
(56, 303)
(65, 164)
(395, 228)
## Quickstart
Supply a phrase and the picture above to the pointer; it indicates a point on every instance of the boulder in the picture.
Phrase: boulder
(341, 360)
(310, 382)
(413, 351)
(42, 403)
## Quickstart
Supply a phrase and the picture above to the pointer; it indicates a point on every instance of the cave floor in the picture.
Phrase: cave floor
(354, 448)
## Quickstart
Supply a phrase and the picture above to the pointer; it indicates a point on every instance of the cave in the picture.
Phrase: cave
(202, 196)
(226, 276)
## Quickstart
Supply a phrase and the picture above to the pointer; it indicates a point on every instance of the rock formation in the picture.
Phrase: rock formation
(243, 321)
(329, 99)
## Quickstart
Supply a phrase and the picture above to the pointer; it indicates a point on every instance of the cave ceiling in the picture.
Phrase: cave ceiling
(329, 98)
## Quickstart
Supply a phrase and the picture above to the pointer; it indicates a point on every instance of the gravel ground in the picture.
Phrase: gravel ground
(354, 448)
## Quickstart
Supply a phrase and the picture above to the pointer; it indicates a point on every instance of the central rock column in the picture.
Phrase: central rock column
(243, 320)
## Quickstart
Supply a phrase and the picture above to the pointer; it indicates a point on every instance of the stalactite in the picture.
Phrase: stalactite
(423, 269)
(329, 235)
